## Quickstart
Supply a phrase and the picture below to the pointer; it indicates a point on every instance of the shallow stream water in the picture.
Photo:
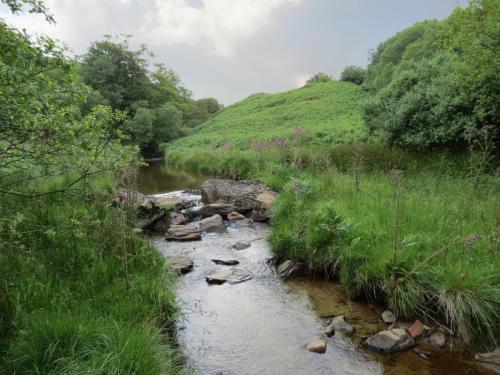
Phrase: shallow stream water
(263, 325)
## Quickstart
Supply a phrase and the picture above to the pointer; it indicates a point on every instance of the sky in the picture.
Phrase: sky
(230, 49)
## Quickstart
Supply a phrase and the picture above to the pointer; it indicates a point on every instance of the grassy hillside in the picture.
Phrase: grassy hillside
(331, 112)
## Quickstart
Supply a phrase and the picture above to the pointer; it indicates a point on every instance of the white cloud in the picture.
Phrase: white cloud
(217, 26)
(214, 27)
(300, 79)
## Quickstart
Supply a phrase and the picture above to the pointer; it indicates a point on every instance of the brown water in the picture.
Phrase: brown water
(263, 325)
(158, 177)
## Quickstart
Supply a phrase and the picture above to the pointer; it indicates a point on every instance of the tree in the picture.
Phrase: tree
(436, 84)
(43, 135)
(117, 72)
(319, 78)
(123, 79)
(199, 111)
(354, 74)
(415, 42)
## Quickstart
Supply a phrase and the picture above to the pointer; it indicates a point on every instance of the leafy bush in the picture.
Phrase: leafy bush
(354, 74)
(319, 78)
(435, 84)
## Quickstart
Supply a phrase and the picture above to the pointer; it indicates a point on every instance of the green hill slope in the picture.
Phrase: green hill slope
(329, 112)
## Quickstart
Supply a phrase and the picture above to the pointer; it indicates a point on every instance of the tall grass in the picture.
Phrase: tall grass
(66, 308)
(447, 253)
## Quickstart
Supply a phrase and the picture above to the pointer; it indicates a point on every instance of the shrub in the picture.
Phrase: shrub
(319, 78)
(354, 74)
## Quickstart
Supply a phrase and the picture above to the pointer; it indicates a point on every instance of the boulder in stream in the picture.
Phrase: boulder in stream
(390, 341)
(231, 276)
(221, 209)
(318, 346)
(226, 262)
(240, 194)
(148, 213)
(241, 245)
(289, 268)
(176, 218)
(438, 339)
(183, 233)
(180, 264)
(212, 224)
(339, 324)
(416, 329)
(177, 203)
(388, 317)
(235, 216)
(263, 205)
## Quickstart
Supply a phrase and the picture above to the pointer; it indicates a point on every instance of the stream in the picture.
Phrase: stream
(262, 326)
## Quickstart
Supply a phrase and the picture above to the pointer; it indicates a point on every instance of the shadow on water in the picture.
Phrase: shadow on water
(157, 177)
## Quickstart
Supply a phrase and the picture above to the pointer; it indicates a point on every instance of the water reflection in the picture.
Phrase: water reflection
(158, 177)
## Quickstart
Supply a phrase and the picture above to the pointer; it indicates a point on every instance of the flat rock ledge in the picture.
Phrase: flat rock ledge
(240, 194)
(180, 264)
(183, 233)
(390, 341)
(213, 224)
(231, 276)
(221, 209)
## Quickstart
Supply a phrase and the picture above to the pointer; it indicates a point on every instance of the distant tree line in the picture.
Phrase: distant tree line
(158, 107)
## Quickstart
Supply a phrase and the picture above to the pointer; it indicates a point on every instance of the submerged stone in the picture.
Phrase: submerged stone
(339, 324)
(241, 245)
(231, 276)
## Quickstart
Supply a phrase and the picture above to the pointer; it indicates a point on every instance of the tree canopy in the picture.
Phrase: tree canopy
(436, 84)
(158, 106)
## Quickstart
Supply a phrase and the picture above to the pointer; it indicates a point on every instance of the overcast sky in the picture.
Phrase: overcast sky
(229, 49)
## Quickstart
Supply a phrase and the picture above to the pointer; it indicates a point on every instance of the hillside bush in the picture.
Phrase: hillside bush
(319, 78)
(354, 74)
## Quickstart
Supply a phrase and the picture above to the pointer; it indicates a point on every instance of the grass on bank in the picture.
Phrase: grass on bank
(436, 257)
(80, 293)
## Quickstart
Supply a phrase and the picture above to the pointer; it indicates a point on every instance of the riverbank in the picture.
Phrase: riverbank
(417, 235)
(80, 292)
